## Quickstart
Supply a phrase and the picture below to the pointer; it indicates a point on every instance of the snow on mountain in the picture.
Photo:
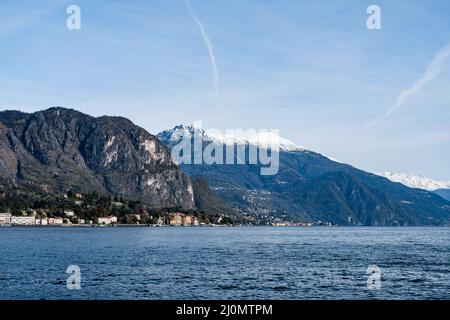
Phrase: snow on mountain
(262, 139)
(265, 140)
(416, 181)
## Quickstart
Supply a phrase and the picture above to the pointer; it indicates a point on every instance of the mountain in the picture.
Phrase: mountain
(208, 201)
(444, 193)
(265, 139)
(416, 181)
(60, 149)
(420, 182)
(309, 187)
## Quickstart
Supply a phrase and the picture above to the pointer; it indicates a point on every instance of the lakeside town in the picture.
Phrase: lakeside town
(69, 219)
(28, 208)
(177, 219)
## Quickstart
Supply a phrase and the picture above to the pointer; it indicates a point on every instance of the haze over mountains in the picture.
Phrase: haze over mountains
(60, 149)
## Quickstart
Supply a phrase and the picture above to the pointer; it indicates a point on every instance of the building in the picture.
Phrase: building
(160, 221)
(117, 204)
(186, 220)
(194, 221)
(81, 221)
(23, 221)
(176, 219)
(41, 222)
(107, 220)
(55, 221)
(5, 218)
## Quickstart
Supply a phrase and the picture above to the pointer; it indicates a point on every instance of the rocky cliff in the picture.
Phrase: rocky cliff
(60, 149)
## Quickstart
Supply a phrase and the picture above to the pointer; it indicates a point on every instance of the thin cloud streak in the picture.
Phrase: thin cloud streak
(208, 44)
(435, 67)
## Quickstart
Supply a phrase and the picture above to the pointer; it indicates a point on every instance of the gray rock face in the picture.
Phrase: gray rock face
(60, 149)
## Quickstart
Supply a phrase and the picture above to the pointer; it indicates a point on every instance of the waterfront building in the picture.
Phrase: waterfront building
(107, 220)
(23, 221)
(176, 219)
(55, 221)
(5, 218)
(41, 222)
(186, 220)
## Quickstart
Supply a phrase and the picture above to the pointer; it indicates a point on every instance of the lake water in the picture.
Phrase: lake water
(225, 263)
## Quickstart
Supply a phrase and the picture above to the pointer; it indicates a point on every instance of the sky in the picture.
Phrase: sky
(377, 99)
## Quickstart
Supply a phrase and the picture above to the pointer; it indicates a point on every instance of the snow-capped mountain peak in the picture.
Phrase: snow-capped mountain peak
(416, 181)
(262, 139)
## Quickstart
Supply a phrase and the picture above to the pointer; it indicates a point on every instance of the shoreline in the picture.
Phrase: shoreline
(206, 226)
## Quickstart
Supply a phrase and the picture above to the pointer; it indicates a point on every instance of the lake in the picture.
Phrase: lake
(225, 263)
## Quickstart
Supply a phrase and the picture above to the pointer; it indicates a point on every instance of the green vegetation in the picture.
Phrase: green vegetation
(89, 206)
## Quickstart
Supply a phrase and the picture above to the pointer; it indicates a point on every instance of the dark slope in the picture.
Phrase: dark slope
(311, 187)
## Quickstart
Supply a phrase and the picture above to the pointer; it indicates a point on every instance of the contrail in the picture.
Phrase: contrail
(433, 70)
(208, 44)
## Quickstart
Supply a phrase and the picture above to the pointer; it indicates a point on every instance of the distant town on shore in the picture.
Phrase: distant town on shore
(78, 209)
(92, 209)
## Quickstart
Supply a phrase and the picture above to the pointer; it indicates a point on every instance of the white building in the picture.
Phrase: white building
(23, 221)
(5, 218)
(107, 220)
(42, 222)
(117, 204)
(55, 221)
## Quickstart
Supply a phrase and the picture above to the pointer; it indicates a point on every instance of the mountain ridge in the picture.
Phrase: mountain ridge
(264, 138)
(346, 196)
(416, 181)
(59, 149)
(440, 188)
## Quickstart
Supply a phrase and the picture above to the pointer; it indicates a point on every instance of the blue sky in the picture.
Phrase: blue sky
(311, 69)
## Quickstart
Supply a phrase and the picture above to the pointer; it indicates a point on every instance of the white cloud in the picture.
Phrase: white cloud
(435, 67)
(208, 44)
